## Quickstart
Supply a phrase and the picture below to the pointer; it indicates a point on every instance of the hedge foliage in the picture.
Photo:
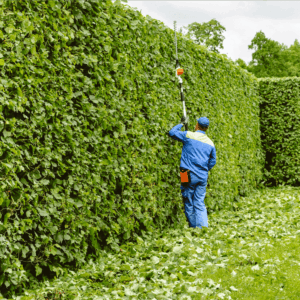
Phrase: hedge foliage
(87, 95)
(280, 129)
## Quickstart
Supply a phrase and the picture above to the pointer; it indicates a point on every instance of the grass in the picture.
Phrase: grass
(251, 253)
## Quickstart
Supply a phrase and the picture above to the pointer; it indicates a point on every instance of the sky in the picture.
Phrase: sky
(279, 20)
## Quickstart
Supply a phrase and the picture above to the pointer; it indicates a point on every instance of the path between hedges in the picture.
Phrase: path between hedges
(248, 254)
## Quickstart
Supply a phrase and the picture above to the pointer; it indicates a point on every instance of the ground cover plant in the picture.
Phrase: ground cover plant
(250, 253)
(280, 129)
(87, 94)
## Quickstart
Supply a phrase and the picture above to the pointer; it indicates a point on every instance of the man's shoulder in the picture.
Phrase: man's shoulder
(199, 136)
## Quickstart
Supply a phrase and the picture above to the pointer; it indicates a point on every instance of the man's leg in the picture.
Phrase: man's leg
(199, 205)
(187, 195)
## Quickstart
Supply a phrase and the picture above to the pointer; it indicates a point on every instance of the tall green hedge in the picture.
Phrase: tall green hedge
(280, 129)
(87, 95)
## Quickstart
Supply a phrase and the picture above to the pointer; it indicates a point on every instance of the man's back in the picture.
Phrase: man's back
(198, 151)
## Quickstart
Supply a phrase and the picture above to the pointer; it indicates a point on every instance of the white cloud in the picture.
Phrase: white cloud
(217, 7)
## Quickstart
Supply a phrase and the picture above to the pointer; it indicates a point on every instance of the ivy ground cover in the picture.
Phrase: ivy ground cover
(251, 253)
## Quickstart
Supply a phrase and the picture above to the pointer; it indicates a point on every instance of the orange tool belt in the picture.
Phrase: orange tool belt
(185, 177)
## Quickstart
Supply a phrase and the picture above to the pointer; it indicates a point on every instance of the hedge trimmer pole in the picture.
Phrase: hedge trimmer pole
(179, 71)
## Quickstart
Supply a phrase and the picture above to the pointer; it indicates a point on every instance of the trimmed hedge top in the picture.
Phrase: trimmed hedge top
(88, 93)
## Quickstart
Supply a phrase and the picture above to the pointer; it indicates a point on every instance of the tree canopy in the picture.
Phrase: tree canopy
(272, 59)
(267, 58)
(209, 34)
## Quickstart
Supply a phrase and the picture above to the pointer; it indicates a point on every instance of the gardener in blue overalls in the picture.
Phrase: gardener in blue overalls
(198, 156)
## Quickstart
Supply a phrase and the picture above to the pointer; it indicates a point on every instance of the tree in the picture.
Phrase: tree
(241, 63)
(292, 58)
(208, 34)
(268, 58)
(272, 59)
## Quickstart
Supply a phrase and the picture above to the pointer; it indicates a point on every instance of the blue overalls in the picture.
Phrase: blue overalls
(199, 156)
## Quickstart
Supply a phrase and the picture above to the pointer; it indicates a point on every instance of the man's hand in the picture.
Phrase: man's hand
(184, 120)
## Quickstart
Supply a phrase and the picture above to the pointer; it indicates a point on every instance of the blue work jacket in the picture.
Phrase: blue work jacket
(198, 151)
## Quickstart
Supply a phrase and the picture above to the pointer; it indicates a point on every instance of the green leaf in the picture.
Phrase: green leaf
(6, 133)
(6, 216)
(9, 29)
(38, 270)
(36, 174)
(67, 237)
(43, 213)
(19, 92)
(107, 48)
(45, 181)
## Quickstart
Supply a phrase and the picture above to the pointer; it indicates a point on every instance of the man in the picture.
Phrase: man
(198, 156)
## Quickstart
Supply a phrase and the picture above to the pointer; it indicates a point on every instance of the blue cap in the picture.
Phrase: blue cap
(204, 122)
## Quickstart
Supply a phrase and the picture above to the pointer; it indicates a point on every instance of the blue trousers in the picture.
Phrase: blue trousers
(194, 206)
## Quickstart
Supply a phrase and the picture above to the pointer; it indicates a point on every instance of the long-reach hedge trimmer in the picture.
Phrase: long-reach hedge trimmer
(179, 71)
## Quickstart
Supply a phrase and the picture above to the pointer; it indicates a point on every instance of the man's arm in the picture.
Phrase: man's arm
(212, 159)
(176, 134)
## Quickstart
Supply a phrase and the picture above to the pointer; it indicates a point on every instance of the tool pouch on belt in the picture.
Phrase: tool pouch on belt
(185, 177)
